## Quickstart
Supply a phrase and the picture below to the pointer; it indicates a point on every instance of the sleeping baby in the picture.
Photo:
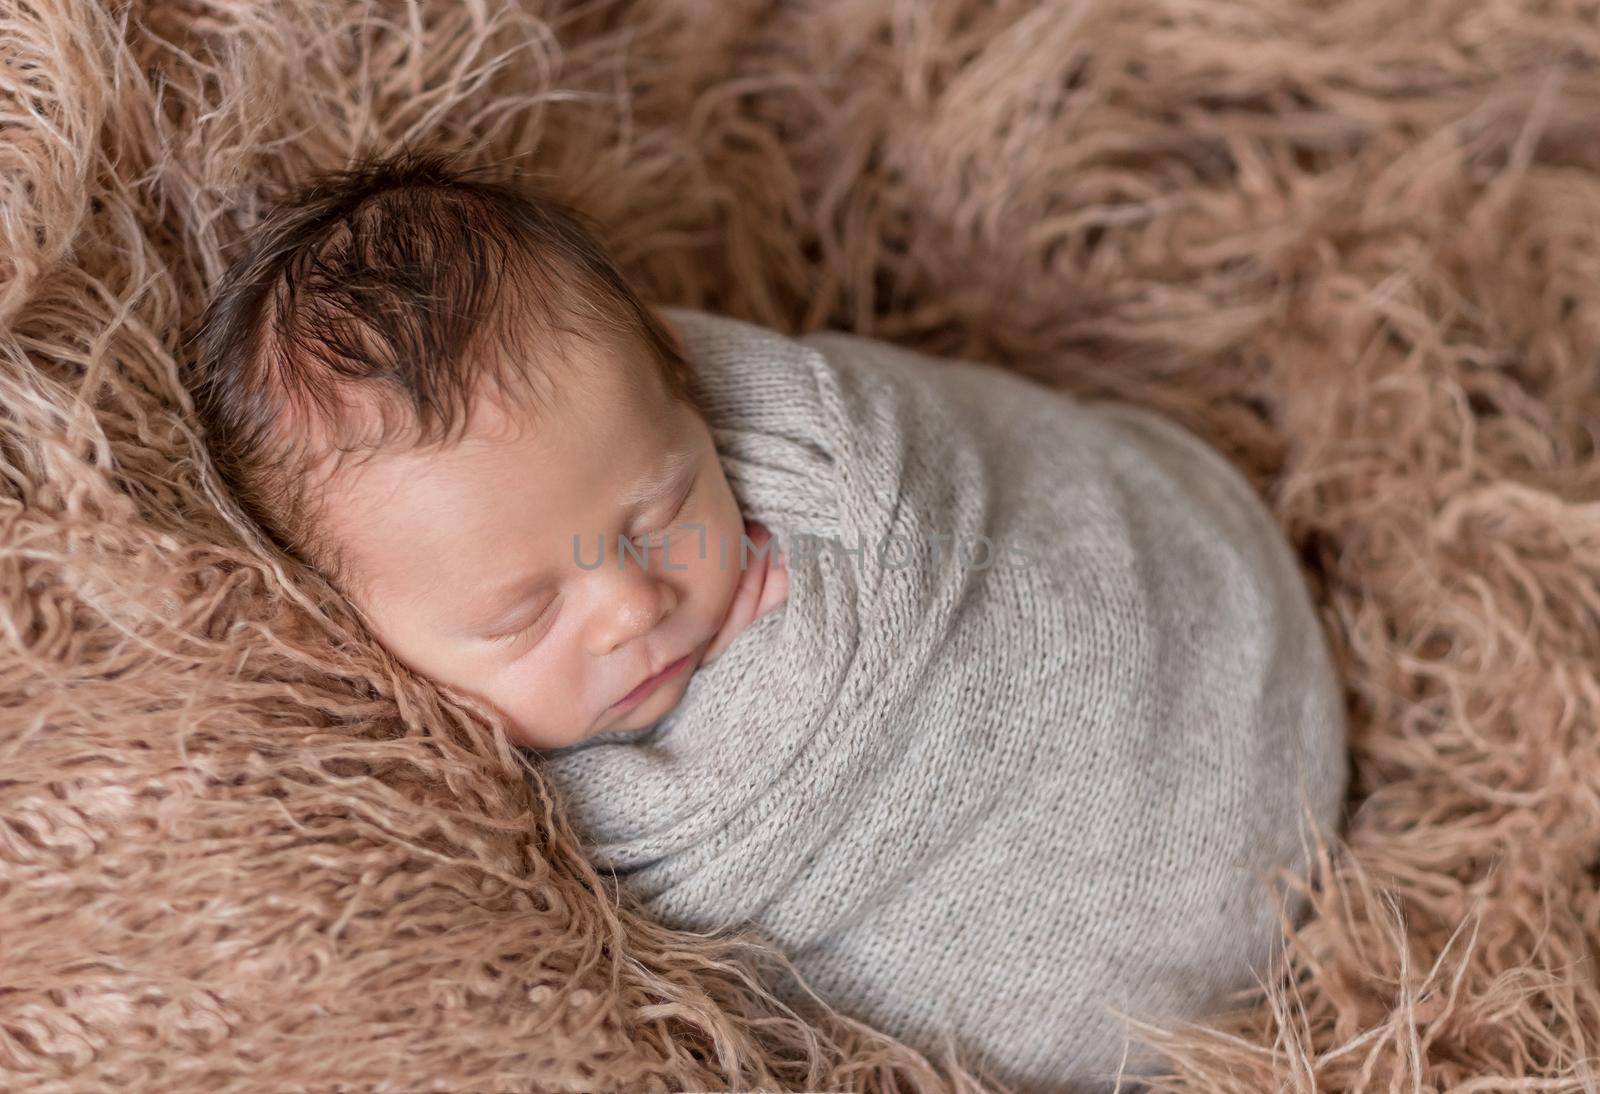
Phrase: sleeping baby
(1003, 713)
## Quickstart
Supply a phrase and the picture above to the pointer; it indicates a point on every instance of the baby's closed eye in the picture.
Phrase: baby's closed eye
(664, 527)
(524, 631)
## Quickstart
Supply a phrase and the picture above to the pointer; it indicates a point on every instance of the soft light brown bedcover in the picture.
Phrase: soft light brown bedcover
(1354, 244)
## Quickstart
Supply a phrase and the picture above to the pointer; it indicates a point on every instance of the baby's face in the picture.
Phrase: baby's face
(473, 577)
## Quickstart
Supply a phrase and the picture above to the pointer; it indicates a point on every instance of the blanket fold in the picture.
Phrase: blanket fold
(1047, 705)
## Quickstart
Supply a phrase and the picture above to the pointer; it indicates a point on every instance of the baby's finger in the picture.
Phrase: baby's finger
(742, 610)
(776, 589)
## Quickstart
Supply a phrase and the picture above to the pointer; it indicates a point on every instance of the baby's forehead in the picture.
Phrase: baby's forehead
(597, 391)
(508, 392)
(512, 478)
(597, 408)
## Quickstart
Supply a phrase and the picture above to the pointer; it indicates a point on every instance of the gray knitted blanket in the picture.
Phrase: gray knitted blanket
(997, 793)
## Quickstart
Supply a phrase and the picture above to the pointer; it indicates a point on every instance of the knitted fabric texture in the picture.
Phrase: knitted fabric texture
(998, 793)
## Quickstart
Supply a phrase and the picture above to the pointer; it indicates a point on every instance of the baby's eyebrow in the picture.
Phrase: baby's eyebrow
(663, 478)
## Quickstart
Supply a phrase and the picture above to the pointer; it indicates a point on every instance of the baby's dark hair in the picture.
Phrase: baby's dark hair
(370, 307)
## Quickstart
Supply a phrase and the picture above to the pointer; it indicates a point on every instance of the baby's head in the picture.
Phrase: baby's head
(441, 393)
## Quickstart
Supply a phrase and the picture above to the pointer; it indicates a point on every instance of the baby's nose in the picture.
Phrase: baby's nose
(632, 608)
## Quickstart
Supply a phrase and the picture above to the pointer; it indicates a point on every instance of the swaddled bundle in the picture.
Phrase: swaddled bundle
(1037, 723)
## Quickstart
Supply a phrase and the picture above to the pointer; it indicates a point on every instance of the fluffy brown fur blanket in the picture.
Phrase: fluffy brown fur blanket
(1352, 243)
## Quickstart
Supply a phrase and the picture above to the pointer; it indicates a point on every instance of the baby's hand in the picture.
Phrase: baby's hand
(763, 585)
